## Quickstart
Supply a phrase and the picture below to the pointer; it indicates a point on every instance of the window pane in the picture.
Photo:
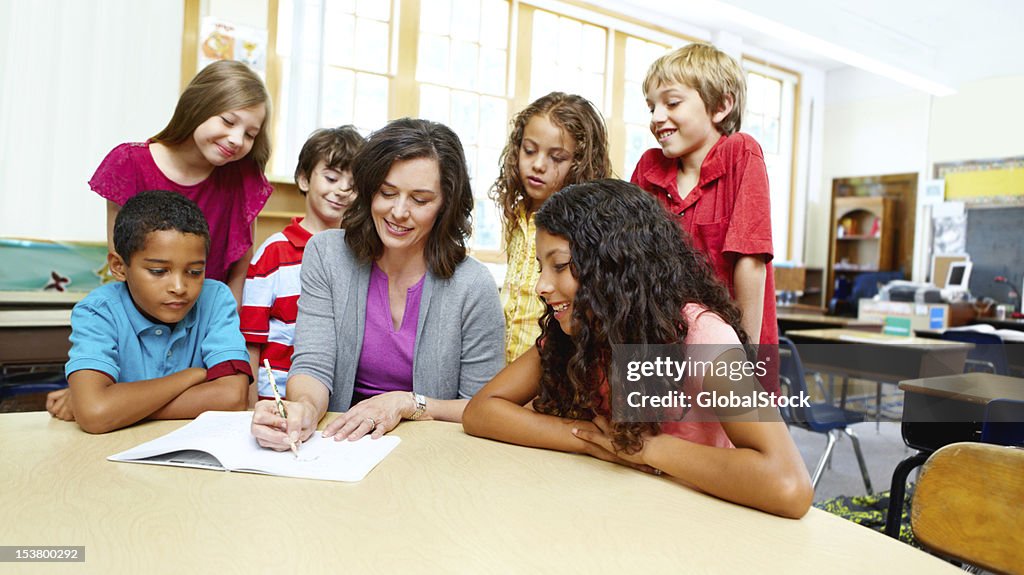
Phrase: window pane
(371, 109)
(569, 38)
(592, 88)
(466, 19)
(637, 141)
(376, 9)
(493, 122)
(755, 94)
(772, 97)
(465, 61)
(434, 103)
(464, 121)
(492, 71)
(771, 136)
(545, 27)
(339, 29)
(494, 23)
(635, 103)
(347, 6)
(487, 169)
(486, 224)
(435, 16)
(593, 49)
(432, 64)
(284, 28)
(372, 42)
(338, 99)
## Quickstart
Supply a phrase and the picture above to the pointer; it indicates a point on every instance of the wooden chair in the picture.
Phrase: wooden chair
(967, 505)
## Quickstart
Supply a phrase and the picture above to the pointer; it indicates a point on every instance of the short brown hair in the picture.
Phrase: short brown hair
(715, 75)
(410, 139)
(336, 147)
(222, 86)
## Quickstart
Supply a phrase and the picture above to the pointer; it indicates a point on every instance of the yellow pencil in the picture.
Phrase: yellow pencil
(280, 404)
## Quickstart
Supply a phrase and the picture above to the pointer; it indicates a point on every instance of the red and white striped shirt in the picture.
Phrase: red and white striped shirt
(270, 302)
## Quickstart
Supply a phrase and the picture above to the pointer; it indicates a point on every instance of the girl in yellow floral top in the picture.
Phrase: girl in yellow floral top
(558, 140)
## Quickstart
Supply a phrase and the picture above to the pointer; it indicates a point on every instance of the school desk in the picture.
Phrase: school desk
(796, 320)
(877, 357)
(441, 502)
(938, 411)
(36, 336)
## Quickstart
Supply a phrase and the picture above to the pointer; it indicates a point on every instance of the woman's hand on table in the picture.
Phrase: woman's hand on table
(273, 431)
(375, 416)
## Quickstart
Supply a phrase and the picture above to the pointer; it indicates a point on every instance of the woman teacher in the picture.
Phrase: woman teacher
(395, 321)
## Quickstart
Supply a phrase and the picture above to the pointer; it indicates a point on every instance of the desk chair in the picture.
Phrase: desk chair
(1004, 423)
(967, 505)
(817, 417)
(31, 381)
(988, 354)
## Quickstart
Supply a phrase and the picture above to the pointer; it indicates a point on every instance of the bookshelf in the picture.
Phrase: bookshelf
(863, 234)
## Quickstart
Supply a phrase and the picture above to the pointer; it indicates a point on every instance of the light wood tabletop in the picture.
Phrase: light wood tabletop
(442, 502)
(841, 335)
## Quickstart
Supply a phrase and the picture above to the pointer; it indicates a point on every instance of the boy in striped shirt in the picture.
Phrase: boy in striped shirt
(272, 284)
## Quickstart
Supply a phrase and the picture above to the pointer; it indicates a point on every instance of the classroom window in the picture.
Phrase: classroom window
(568, 56)
(635, 114)
(462, 72)
(335, 66)
(770, 118)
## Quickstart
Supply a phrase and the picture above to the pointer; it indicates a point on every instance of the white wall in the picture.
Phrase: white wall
(76, 79)
(872, 126)
(983, 120)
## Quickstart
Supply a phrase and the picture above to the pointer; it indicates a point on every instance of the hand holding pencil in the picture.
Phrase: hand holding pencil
(280, 404)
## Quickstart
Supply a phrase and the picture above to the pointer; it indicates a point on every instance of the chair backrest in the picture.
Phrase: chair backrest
(967, 505)
(988, 347)
(791, 371)
(1004, 423)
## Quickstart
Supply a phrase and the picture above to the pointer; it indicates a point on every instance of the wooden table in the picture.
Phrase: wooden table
(938, 411)
(442, 502)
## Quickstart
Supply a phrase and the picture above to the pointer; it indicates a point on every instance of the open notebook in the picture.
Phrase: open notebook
(221, 440)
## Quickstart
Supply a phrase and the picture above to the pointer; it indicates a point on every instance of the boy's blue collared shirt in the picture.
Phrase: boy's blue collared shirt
(110, 335)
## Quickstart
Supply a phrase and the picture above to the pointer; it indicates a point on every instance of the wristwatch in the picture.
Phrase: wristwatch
(421, 405)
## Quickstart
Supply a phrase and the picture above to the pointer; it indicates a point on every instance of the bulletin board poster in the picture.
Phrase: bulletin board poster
(222, 40)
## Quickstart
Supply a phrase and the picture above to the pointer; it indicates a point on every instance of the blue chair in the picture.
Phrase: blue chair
(822, 418)
(1004, 423)
(30, 382)
(988, 354)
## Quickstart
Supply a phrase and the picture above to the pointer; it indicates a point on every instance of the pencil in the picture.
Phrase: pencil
(280, 404)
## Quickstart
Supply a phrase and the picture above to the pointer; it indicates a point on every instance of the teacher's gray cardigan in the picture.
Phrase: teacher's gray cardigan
(460, 333)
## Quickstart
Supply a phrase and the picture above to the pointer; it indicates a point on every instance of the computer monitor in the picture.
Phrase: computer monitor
(959, 276)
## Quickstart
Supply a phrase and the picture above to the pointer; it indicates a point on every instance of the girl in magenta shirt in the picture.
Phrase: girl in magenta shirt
(213, 152)
(617, 274)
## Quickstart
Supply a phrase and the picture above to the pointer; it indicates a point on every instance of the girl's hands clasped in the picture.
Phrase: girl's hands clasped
(598, 440)
(375, 416)
(273, 431)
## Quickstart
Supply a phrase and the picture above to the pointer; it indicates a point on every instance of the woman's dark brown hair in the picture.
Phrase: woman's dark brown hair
(410, 139)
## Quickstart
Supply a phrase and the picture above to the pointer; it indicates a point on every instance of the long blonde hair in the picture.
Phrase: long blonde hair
(222, 86)
(577, 116)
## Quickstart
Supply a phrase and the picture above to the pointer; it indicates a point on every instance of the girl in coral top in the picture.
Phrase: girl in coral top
(615, 271)
(212, 151)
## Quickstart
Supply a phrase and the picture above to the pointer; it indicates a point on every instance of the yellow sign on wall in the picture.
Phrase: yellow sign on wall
(966, 186)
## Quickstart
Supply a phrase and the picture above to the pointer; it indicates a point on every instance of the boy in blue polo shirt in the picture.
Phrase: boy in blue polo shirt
(163, 342)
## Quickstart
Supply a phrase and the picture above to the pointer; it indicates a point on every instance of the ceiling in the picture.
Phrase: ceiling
(942, 42)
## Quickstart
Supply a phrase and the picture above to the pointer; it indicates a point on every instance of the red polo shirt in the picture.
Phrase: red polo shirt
(727, 214)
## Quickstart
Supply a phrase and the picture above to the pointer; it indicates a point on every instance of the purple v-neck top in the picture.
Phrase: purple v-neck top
(385, 362)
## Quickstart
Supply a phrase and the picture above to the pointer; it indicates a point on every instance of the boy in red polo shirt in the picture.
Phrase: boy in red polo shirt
(713, 179)
(271, 293)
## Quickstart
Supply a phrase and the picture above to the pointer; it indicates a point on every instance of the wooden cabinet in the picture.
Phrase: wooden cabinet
(863, 234)
(799, 286)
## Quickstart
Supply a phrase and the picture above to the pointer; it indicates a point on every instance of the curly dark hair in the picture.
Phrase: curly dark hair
(636, 271)
(156, 211)
(577, 116)
(411, 139)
